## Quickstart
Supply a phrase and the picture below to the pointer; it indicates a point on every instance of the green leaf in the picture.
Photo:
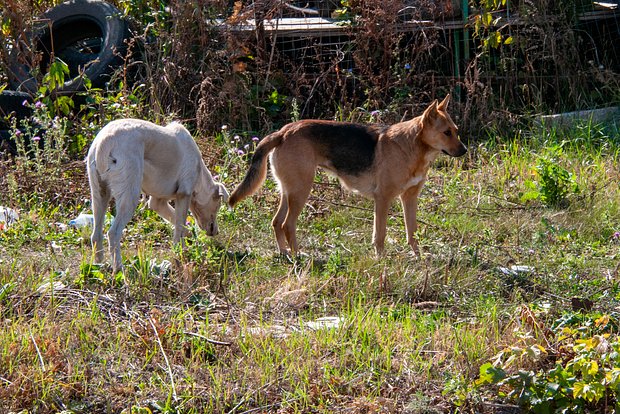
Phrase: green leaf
(534, 351)
(592, 368)
(590, 392)
(490, 374)
(487, 18)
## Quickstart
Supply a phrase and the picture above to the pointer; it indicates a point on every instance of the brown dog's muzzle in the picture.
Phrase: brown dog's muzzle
(457, 151)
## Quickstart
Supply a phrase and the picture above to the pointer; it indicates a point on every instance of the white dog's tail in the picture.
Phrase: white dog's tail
(257, 173)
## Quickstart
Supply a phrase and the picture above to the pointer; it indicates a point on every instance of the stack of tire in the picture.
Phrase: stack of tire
(90, 36)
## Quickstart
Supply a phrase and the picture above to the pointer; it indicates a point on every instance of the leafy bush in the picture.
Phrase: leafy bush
(555, 182)
(585, 376)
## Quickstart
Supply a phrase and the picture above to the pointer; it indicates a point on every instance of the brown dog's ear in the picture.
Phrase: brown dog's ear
(431, 112)
(443, 106)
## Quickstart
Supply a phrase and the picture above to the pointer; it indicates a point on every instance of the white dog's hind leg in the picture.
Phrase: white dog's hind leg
(100, 201)
(125, 206)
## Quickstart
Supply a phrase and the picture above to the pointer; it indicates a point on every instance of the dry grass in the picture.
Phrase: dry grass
(231, 327)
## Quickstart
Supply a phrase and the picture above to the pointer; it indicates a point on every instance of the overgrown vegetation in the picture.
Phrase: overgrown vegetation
(481, 321)
(511, 307)
(511, 58)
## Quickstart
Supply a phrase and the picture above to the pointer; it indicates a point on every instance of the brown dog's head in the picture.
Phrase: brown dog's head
(439, 131)
(205, 205)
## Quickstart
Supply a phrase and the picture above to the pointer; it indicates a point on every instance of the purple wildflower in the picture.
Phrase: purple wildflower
(254, 139)
(240, 152)
(407, 66)
(25, 103)
(38, 104)
(375, 113)
(36, 138)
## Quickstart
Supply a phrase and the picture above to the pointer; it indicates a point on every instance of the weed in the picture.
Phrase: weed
(555, 183)
(584, 376)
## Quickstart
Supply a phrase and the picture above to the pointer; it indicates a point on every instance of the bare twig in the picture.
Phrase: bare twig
(209, 340)
(303, 10)
(169, 368)
(36, 347)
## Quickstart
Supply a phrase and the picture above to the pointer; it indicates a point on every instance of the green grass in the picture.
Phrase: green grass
(228, 327)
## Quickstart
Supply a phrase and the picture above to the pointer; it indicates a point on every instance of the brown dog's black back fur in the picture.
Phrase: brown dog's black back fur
(349, 147)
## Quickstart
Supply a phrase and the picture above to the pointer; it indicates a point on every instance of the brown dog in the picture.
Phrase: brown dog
(378, 162)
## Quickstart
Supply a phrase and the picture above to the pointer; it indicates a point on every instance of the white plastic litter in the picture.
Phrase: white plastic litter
(516, 270)
(327, 322)
(82, 220)
(50, 287)
(161, 269)
(8, 216)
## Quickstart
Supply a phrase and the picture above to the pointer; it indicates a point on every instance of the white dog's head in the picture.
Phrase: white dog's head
(205, 205)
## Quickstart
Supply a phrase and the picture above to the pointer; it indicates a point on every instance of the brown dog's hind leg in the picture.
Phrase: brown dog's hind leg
(293, 165)
(296, 202)
(278, 222)
(295, 176)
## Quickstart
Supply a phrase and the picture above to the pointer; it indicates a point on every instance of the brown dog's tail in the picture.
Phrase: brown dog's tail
(256, 174)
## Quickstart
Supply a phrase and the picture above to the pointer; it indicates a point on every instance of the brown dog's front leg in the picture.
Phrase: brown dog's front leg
(409, 201)
(380, 225)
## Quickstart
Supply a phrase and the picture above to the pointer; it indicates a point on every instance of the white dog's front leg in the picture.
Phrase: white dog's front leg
(180, 217)
(163, 208)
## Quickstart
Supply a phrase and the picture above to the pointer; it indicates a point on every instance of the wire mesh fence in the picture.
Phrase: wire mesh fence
(345, 59)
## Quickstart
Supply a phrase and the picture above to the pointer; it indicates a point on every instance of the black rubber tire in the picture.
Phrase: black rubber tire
(7, 145)
(86, 34)
(12, 103)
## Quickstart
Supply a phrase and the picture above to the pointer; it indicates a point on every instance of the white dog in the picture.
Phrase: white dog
(129, 157)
